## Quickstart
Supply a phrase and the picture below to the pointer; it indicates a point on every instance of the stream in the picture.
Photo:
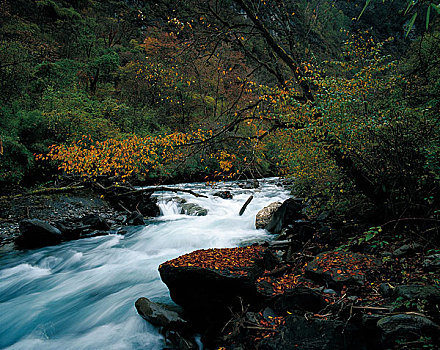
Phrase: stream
(81, 294)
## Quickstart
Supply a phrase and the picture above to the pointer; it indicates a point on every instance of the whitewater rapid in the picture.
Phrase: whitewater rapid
(81, 294)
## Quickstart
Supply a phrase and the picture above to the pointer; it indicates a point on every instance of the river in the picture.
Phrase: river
(81, 294)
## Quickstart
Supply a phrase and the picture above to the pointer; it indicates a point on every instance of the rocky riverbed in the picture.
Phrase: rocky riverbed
(52, 208)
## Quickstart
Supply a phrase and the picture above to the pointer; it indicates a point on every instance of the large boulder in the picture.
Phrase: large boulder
(193, 209)
(338, 268)
(207, 282)
(264, 215)
(286, 214)
(37, 233)
(404, 327)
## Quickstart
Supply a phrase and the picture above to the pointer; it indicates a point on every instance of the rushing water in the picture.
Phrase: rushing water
(81, 294)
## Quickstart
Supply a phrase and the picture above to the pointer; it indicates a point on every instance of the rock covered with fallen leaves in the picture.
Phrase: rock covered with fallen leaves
(206, 282)
(338, 268)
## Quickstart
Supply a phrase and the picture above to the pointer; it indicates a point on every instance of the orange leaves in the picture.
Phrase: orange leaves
(122, 158)
(231, 260)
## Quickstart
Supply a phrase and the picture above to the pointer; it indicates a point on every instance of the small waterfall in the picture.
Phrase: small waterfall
(168, 207)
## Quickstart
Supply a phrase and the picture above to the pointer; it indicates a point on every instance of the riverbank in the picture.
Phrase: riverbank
(306, 290)
(51, 207)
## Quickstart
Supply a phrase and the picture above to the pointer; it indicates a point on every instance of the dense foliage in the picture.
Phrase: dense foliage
(156, 90)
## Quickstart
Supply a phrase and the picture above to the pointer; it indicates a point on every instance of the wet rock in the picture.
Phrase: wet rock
(95, 233)
(299, 333)
(159, 315)
(178, 200)
(193, 209)
(140, 201)
(249, 184)
(407, 328)
(286, 214)
(170, 322)
(223, 194)
(37, 233)
(264, 215)
(135, 219)
(95, 222)
(406, 249)
(432, 263)
(175, 340)
(337, 268)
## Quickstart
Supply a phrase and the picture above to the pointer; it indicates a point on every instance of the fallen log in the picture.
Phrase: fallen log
(243, 208)
(158, 189)
(42, 191)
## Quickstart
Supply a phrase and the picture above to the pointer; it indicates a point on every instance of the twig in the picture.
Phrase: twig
(262, 328)
(120, 204)
(371, 308)
(410, 219)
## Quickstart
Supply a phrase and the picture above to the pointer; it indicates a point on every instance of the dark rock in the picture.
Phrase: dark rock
(95, 222)
(135, 218)
(95, 233)
(264, 215)
(406, 249)
(249, 184)
(134, 201)
(37, 233)
(386, 290)
(298, 333)
(286, 214)
(406, 327)
(175, 340)
(207, 293)
(170, 322)
(223, 194)
(337, 268)
(148, 208)
(299, 299)
(160, 315)
(421, 292)
(193, 209)
(419, 295)
(432, 263)
(178, 200)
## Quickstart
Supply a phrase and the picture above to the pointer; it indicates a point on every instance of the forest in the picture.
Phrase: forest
(340, 99)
